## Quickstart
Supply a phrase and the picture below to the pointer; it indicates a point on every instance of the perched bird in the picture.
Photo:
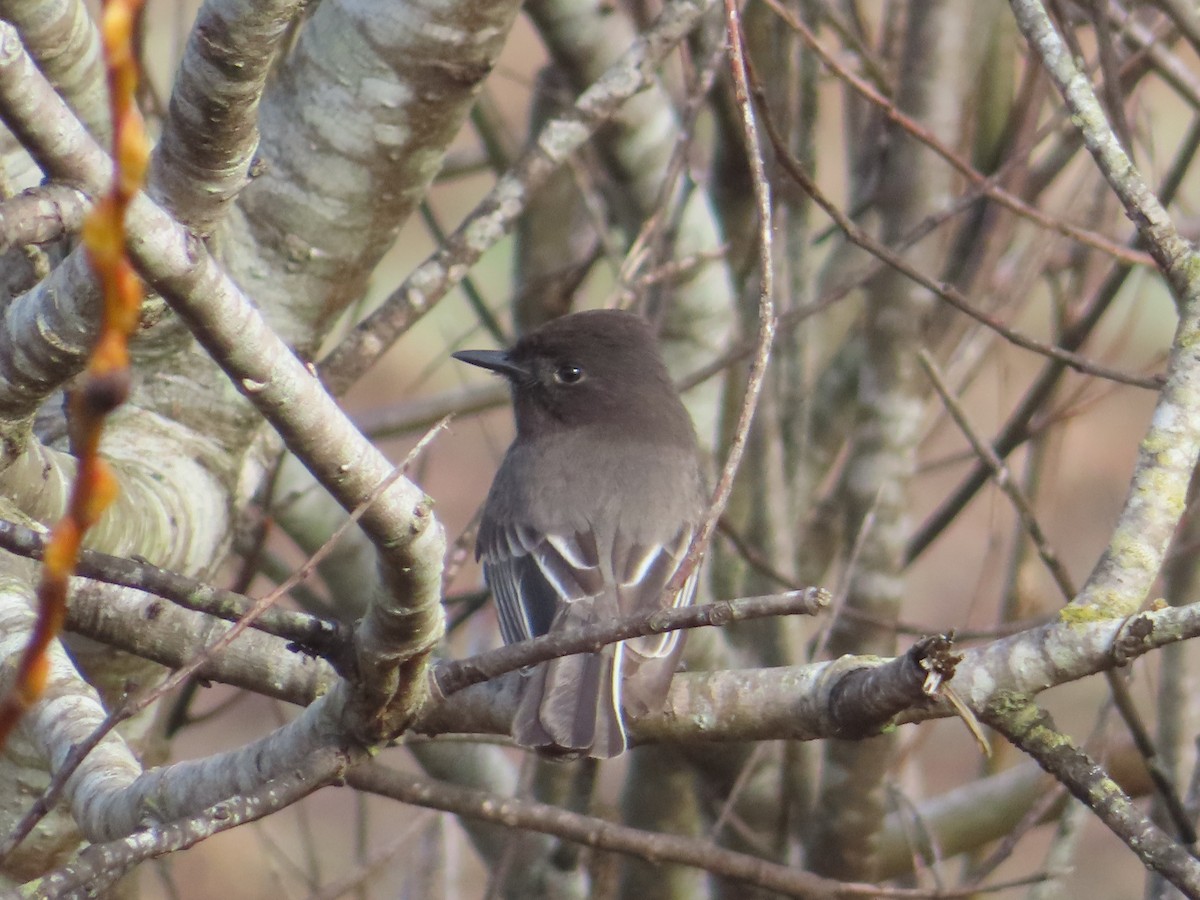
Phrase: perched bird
(588, 520)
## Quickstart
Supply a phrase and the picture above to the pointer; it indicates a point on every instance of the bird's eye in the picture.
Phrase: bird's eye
(568, 374)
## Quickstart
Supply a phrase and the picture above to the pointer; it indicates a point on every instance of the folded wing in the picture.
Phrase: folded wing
(564, 582)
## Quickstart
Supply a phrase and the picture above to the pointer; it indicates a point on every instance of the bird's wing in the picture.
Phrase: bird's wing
(642, 572)
(544, 582)
(534, 575)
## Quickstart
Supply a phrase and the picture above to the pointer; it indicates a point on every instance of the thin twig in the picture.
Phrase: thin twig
(1001, 475)
(987, 185)
(601, 834)
(320, 636)
(452, 676)
(944, 291)
(766, 303)
(1017, 428)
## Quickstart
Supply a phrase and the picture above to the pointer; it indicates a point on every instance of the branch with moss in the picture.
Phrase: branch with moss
(1033, 731)
(1168, 453)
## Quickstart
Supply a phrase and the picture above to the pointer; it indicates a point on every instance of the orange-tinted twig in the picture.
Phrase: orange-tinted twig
(106, 383)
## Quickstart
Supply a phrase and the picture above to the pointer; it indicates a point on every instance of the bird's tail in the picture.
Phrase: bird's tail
(572, 706)
(577, 705)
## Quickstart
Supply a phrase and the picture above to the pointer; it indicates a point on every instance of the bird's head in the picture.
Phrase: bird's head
(598, 368)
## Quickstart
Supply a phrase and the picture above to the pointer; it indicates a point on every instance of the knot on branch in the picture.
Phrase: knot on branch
(935, 655)
(864, 700)
(1132, 638)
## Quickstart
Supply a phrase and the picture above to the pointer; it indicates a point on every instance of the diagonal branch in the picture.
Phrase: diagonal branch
(1168, 453)
(62, 37)
(1032, 730)
(1164, 242)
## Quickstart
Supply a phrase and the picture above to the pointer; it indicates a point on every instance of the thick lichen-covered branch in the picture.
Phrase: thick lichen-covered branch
(1122, 578)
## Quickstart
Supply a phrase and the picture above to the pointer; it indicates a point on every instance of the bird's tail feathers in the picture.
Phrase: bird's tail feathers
(647, 680)
(572, 706)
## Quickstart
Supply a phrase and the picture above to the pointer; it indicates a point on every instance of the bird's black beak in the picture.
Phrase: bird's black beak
(496, 360)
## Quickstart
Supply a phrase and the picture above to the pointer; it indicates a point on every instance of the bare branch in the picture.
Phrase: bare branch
(456, 675)
(1033, 731)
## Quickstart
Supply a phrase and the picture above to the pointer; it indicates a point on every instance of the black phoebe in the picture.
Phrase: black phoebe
(588, 520)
